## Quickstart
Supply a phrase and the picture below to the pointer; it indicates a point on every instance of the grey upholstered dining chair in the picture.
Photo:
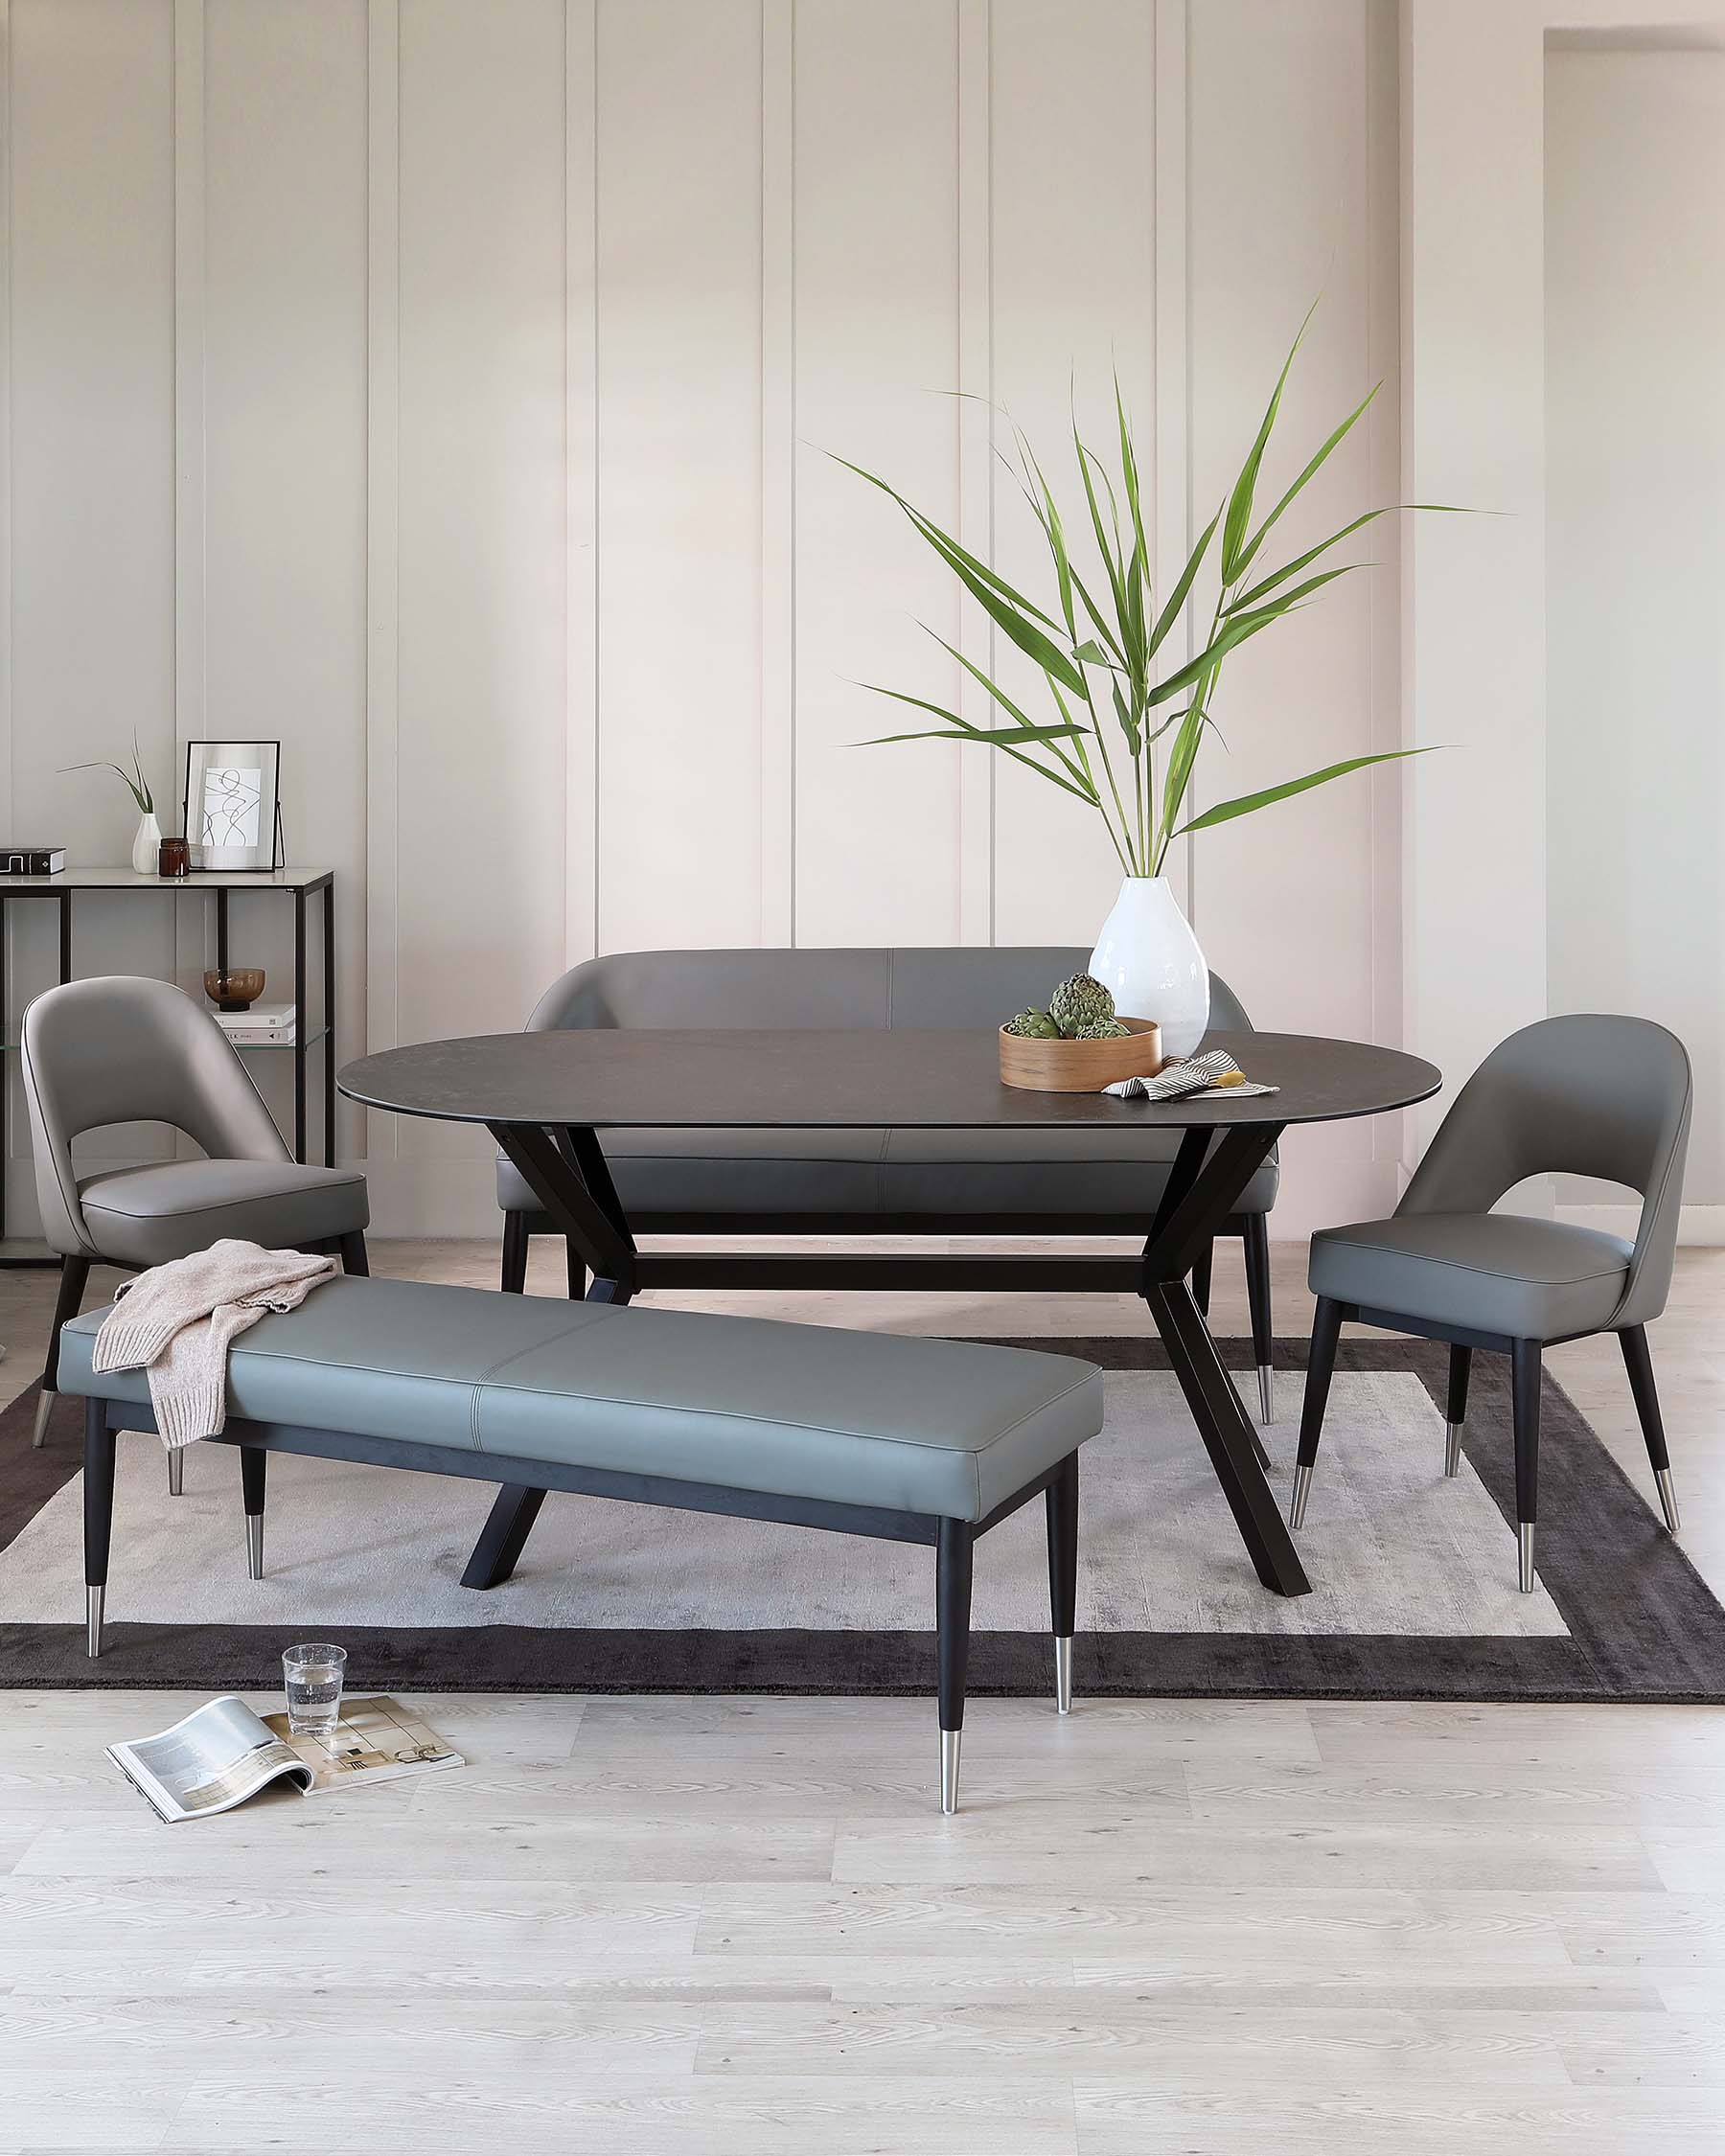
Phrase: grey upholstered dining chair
(122, 1049)
(1585, 1096)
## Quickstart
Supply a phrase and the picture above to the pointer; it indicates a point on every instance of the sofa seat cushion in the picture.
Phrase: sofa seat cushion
(732, 1171)
(1485, 1273)
(926, 1426)
(148, 1216)
(1051, 1174)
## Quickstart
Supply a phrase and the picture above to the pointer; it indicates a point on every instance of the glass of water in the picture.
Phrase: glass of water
(314, 1674)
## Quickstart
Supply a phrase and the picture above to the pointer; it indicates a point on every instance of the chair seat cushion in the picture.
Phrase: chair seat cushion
(1053, 1175)
(1486, 1273)
(147, 1216)
(927, 1426)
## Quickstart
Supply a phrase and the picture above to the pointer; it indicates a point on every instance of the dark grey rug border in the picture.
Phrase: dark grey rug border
(1644, 1626)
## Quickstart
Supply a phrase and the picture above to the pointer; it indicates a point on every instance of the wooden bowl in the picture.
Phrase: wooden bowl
(236, 990)
(1081, 1067)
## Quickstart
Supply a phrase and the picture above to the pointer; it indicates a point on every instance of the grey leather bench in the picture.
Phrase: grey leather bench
(795, 1184)
(867, 1433)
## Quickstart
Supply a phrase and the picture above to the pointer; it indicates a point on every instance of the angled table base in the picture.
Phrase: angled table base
(565, 1169)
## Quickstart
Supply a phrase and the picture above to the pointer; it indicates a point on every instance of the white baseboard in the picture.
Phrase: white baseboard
(1702, 1226)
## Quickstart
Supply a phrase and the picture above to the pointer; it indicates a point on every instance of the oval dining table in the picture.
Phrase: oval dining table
(545, 1098)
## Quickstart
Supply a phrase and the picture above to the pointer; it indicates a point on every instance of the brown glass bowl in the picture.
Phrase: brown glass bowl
(236, 990)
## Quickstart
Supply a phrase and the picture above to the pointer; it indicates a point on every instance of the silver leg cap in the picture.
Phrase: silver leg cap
(952, 1743)
(1266, 1393)
(1063, 1674)
(1452, 1448)
(44, 1409)
(254, 1544)
(94, 1598)
(1296, 1503)
(1668, 1499)
(1524, 1539)
(176, 1471)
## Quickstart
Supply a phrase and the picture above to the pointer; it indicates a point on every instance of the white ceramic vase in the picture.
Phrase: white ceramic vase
(147, 846)
(1148, 959)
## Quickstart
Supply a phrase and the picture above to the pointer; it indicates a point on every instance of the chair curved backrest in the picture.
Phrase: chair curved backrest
(1591, 1095)
(939, 986)
(123, 1049)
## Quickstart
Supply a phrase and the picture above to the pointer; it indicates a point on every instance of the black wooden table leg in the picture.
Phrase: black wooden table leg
(566, 1172)
(503, 1537)
(1209, 1172)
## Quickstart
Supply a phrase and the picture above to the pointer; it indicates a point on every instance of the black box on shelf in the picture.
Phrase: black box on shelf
(32, 860)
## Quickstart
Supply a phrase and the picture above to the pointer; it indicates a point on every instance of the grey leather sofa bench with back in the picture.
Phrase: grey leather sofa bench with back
(867, 1433)
(792, 1184)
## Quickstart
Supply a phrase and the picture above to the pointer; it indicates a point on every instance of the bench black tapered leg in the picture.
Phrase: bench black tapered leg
(575, 1271)
(1255, 1237)
(254, 1462)
(1320, 1363)
(1523, 1385)
(75, 1275)
(98, 1517)
(513, 1281)
(1062, 1501)
(1638, 1363)
(1455, 1407)
(1201, 1277)
(504, 1536)
(954, 1546)
(353, 1259)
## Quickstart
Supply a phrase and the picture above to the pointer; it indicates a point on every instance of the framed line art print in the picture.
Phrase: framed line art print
(233, 805)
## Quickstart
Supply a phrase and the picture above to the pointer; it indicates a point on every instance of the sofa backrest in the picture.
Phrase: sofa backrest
(937, 988)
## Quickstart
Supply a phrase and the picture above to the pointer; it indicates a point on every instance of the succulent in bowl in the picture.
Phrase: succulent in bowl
(1082, 1000)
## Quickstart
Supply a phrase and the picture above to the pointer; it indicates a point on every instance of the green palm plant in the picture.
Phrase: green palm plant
(1120, 708)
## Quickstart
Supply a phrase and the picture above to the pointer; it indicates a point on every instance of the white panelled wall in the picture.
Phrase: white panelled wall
(448, 388)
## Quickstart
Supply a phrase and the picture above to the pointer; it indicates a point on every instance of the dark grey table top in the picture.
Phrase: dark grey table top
(646, 1079)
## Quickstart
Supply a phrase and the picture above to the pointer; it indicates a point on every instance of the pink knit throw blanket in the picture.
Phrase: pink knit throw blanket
(176, 1321)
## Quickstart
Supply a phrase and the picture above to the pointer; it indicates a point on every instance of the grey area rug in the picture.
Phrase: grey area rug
(1413, 1574)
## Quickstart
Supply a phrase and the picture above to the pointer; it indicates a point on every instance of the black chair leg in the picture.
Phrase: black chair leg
(1255, 1235)
(575, 1270)
(254, 1462)
(1524, 1383)
(1638, 1363)
(98, 1517)
(75, 1277)
(1320, 1363)
(954, 1546)
(514, 1255)
(1062, 1503)
(353, 1259)
(1454, 1407)
(1201, 1278)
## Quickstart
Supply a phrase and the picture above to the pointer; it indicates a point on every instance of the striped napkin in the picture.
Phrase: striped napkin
(1216, 1074)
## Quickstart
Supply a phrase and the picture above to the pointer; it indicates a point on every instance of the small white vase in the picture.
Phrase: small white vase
(1148, 959)
(147, 846)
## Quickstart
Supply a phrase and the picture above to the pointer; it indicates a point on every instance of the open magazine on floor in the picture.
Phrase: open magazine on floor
(224, 1752)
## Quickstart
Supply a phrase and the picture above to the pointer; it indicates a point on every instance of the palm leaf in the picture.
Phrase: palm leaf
(1250, 551)
(1239, 501)
(1243, 804)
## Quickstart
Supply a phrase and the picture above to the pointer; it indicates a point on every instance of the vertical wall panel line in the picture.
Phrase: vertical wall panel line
(974, 428)
(778, 471)
(382, 452)
(1172, 371)
(581, 478)
(189, 505)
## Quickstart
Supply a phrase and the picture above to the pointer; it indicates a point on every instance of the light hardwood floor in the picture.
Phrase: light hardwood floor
(737, 1928)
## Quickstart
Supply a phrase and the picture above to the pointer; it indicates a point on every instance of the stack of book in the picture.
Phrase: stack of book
(266, 1025)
